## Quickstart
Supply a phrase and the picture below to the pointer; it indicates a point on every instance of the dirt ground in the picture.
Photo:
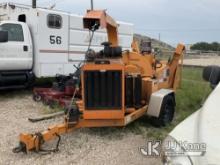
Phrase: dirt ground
(84, 146)
(202, 61)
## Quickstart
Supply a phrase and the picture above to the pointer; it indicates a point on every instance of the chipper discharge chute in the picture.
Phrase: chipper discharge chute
(117, 87)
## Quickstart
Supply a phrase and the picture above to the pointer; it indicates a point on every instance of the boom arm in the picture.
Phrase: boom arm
(101, 19)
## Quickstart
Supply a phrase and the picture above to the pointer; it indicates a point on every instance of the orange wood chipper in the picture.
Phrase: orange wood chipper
(117, 87)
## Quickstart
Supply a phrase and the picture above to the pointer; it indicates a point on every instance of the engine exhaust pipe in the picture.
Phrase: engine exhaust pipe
(34, 4)
(92, 5)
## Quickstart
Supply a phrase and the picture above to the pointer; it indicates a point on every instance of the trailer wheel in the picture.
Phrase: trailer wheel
(37, 97)
(166, 113)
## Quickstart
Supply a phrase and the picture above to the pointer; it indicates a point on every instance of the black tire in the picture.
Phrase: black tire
(167, 112)
(37, 98)
(212, 74)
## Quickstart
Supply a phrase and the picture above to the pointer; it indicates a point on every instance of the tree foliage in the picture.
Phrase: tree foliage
(204, 46)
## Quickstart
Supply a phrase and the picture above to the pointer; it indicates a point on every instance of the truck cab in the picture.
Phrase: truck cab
(16, 55)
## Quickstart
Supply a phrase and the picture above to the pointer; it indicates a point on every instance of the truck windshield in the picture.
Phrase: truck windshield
(15, 32)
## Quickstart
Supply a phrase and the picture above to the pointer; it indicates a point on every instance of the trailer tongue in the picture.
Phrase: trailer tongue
(117, 88)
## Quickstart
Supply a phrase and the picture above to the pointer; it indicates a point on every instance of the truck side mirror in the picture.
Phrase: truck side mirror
(3, 36)
(212, 74)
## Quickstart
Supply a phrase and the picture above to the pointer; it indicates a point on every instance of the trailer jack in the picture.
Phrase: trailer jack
(38, 137)
(34, 142)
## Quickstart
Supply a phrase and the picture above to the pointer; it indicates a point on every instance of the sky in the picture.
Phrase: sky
(185, 21)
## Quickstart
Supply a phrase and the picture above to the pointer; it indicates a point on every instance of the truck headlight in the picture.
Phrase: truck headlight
(173, 153)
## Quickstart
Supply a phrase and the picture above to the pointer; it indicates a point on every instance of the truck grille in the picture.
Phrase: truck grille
(103, 90)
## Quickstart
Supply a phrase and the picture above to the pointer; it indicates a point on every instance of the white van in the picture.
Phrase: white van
(43, 42)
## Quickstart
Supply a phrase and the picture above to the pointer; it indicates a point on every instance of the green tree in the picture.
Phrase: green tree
(204, 46)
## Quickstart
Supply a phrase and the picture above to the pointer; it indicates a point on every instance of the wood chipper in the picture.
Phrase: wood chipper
(117, 87)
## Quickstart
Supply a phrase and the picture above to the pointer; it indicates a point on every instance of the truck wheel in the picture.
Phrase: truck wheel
(166, 113)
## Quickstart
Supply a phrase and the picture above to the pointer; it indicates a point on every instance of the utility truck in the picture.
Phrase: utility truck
(40, 42)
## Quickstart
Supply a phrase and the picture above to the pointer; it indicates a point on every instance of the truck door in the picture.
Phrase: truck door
(16, 54)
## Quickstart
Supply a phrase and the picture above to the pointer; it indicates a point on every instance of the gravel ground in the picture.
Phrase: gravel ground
(202, 61)
(84, 146)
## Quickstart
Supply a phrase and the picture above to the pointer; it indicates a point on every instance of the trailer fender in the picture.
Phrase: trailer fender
(156, 100)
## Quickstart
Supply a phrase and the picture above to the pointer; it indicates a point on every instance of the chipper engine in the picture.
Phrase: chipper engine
(117, 87)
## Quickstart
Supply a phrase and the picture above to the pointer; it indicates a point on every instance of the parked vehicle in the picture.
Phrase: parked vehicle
(38, 42)
(196, 139)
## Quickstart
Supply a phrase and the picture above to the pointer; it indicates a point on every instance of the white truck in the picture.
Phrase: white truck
(195, 141)
(39, 42)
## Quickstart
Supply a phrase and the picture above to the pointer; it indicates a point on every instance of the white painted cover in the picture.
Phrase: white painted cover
(203, 127)
(156, 100)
